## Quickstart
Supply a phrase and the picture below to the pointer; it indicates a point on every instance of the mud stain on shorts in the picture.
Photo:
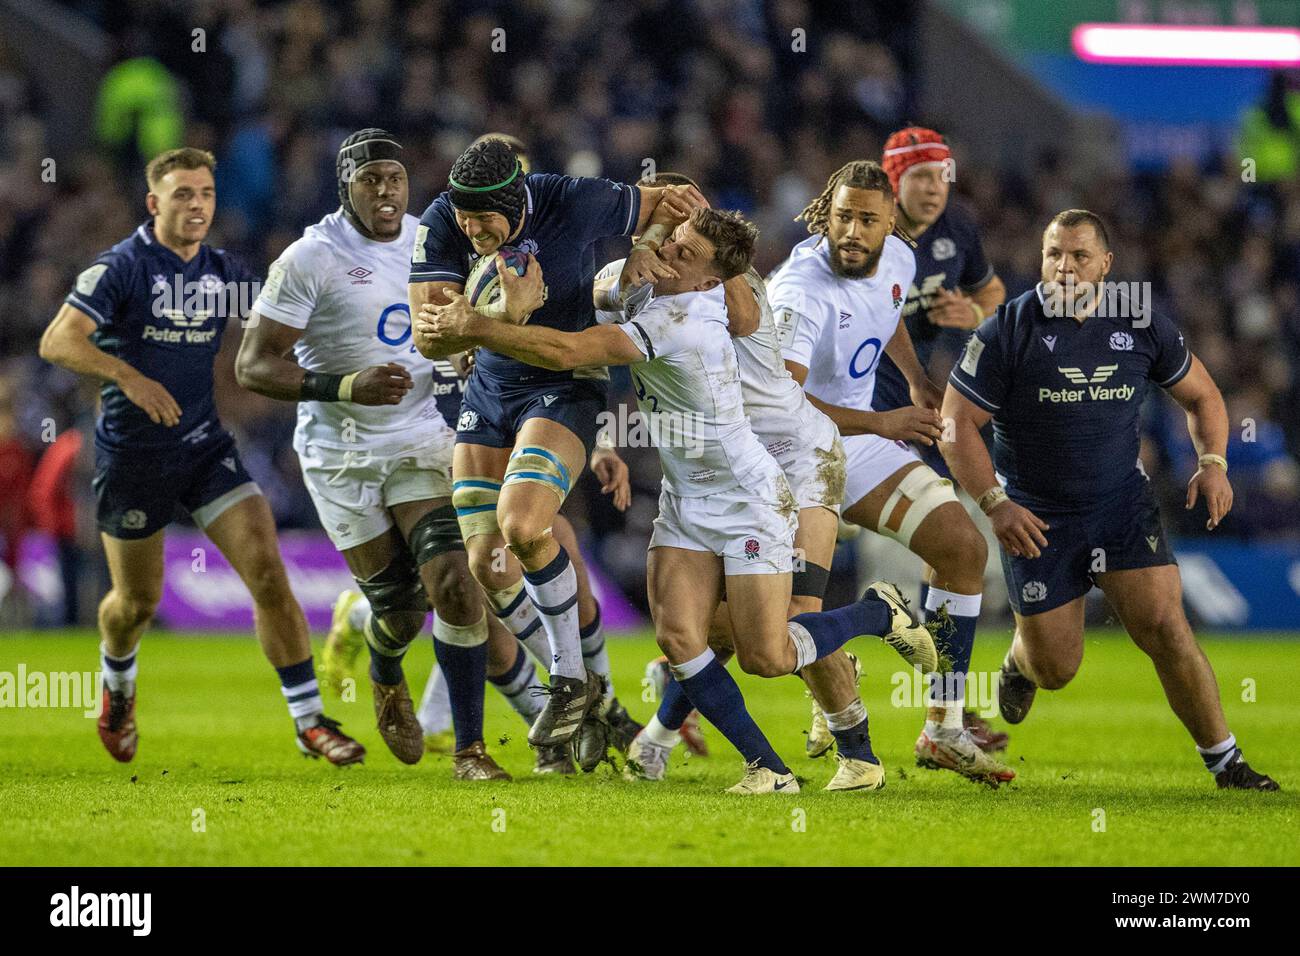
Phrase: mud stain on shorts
(831, 473)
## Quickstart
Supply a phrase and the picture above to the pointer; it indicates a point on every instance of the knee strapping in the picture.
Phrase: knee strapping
(523, 549)
(396, 588)
(532, 463)
(392, 635)
(926, 491)
(475, 501)
(436, 533)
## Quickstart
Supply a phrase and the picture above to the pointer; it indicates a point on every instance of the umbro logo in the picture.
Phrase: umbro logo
(547, 400)
(1050, 342)
(360, 273)
(1077, 376)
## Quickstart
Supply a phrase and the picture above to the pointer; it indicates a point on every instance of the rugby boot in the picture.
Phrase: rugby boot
(955, 750)
(986, 738)
(395, 718)
(907, 635)
(342, 644)
(554, 759)
(327, 739)
(646, 760)
(855, 774)
(474, 763)
(1015, 691)
(116, 725)
(759, 780)
(569, 700)
(1238, 775)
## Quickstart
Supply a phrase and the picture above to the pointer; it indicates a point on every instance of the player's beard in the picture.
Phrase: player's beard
(855, 272)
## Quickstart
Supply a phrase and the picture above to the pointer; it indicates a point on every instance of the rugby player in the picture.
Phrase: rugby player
(954, 290)
(508, 670)
(727, 515)
(525, 433)
(1063, 380)
(331, 331)
(147, 319)
(838, 299)
(806, 444)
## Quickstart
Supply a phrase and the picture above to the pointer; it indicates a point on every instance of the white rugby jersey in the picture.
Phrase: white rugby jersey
(348, 295)
(779, 411)
(688, 389)
(837, 327)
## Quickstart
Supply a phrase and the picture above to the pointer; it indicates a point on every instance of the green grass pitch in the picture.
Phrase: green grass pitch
(215, 738)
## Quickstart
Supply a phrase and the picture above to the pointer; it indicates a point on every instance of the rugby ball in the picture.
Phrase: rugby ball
(483, 287)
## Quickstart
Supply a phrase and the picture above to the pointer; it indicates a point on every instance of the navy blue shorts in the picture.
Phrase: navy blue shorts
(1124, 534)
(492, 412)
(139, 493)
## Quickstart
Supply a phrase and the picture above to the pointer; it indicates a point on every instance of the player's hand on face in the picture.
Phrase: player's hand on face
(523, 295)
(382, 385)
(611, 471)
(1019, 530)
(644, 267)
(951, 309)
(152, 398)
(911, 423)
(1211, 483)
(676, 204)
(929, 395)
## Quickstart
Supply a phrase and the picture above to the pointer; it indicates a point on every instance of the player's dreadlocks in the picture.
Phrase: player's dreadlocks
(488, 177)
(859, 174)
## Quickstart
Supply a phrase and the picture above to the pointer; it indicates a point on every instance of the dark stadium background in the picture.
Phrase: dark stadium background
(712, 88)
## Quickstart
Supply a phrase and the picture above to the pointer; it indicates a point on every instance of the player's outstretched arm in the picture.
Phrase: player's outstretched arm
(66, 343)
(910, 423)
(456, 326)
(1018, 529)
(264, 366)
(1207, 421)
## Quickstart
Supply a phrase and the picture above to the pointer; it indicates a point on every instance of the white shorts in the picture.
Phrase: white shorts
(814, 469)
(753, 534)
(870, 460)
(353, 490)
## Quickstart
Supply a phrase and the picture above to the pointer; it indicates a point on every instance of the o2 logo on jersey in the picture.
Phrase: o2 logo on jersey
(382, 330)
(859, 368)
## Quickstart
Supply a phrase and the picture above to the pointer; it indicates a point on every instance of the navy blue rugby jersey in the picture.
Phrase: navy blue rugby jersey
(564, 218)
(1066, 397)
(949, 255)
(165, 318)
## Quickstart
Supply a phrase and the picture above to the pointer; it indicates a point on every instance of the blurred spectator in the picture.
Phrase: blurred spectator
(1270, 132)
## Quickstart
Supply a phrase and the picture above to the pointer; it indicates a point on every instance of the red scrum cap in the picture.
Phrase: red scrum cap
(910, 147)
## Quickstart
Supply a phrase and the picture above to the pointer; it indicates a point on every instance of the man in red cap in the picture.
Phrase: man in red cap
(955, 289)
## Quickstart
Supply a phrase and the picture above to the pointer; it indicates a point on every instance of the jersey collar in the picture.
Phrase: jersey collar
(145, 235)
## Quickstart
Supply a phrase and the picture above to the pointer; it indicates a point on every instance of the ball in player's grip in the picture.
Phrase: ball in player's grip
(483, 286)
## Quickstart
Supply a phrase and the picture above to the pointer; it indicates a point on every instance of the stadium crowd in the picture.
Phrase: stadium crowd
(718, 89)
